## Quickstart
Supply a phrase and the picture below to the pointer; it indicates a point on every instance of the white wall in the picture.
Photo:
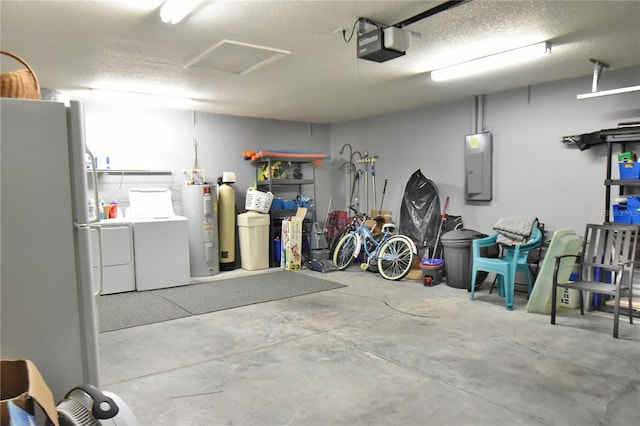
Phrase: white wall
(162, 139)
(534, 173)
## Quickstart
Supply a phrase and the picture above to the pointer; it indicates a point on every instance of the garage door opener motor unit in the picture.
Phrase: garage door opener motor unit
(383, 44)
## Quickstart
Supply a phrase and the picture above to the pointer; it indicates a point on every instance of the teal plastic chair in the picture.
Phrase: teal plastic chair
(505, 268)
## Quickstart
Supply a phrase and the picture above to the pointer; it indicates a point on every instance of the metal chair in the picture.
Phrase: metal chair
(505, 268)
(605, 267)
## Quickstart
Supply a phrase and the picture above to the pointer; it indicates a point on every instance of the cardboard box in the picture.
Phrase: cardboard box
(291, 258)
(376, 227)
(568, 297)
(384, 213)
(21, 384)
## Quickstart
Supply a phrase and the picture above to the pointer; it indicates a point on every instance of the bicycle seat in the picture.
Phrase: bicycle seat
(389, 228)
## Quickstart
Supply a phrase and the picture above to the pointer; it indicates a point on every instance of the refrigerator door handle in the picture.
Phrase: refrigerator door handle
(94, 175)
(100, 262)
(98, 229)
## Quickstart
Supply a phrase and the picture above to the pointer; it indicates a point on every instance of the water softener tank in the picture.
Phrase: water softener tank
(227, 222)
(200, 206)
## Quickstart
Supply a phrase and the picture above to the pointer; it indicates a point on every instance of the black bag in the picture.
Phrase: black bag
(420, 214)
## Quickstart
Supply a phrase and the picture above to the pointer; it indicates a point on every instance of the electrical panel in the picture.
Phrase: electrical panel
(478, 157)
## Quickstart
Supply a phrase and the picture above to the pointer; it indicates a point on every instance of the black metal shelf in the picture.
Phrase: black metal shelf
(619, 136)
(272, 182)
(278, 215)
(622, 182)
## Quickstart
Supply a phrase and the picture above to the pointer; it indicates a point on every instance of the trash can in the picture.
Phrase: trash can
(253, 230)
(458, 257)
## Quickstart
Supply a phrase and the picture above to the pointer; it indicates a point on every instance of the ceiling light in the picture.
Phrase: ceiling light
(175, 10)
(492, 62)
(609, 92)
(597, 72)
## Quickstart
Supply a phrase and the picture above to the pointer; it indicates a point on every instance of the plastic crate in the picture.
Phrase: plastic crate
(629, 170)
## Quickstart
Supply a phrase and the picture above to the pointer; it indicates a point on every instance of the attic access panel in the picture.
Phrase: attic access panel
(236, 57)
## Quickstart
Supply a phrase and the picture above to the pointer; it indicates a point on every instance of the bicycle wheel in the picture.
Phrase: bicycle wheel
(343, 253)
(396, 258)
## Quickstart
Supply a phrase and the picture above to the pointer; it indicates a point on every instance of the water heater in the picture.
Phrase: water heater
(200, 206)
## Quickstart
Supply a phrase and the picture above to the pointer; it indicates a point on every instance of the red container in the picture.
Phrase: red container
(113, 210)
(432, 271)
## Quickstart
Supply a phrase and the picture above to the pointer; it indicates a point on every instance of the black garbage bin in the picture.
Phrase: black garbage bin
(458, 257)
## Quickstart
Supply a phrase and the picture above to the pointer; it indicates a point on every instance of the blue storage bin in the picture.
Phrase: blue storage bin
(621, 214)
(277, 204)
(633, 202)
(626, 213)
(289, 205)
(629, 171)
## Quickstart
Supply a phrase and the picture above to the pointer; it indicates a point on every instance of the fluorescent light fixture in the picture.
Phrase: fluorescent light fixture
(141, 99)
(175, 10)
(609, 92)
(492, 62)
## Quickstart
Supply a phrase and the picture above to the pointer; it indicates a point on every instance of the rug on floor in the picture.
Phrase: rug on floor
(132, 309)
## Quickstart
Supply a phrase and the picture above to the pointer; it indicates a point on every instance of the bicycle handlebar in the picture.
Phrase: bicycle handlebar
(358, 214)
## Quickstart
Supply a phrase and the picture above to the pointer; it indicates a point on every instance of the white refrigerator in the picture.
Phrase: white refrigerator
(47, 296)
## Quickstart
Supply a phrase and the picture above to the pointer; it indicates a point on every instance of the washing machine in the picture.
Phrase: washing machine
(160, 240)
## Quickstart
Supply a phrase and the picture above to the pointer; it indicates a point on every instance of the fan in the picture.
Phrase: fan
(86, 405)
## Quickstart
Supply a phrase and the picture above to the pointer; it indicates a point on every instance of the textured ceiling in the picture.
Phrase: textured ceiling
(124, 45)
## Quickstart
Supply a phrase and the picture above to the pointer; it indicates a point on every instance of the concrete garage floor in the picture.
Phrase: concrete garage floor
(378, 352)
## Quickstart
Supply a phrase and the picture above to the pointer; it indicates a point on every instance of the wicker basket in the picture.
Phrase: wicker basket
(21, 83)
(258, 201)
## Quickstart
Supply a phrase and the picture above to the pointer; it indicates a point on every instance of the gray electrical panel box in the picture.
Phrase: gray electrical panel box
(478, 153)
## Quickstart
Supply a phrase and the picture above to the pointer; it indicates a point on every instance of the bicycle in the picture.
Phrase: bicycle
(393, 254)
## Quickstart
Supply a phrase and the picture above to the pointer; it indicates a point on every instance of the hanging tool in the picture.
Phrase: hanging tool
(325, 230)
(384, 190)
(356, 182)
(373, 181)
(366, 159)
(350, 166)
(443, 218)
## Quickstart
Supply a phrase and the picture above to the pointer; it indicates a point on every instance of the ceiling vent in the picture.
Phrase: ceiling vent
(236, 57)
